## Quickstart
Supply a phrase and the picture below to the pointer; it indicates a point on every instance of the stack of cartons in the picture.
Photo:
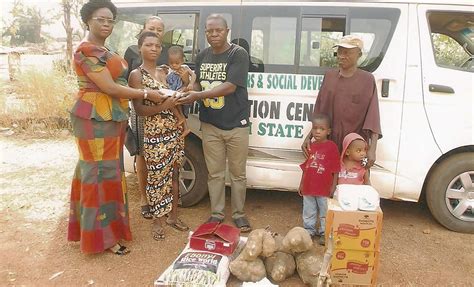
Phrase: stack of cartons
(356, 244)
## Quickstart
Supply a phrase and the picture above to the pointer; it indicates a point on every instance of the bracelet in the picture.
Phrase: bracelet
(145, 94)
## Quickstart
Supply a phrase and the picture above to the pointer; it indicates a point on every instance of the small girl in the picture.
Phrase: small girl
(353, 161)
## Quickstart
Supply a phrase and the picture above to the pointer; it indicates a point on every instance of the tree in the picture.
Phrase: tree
(71, 8)
(26, 24)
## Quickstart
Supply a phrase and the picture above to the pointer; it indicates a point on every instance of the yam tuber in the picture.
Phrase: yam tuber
(248, 271)
(308, 265)
(259, 242)
(280, 266)
(279, 242)
(269, 244)
(297, 240)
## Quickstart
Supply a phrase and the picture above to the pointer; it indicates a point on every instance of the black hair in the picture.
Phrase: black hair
(320, 116)
(145, 34)
(176, 50)
(90, 7)
(217, 17)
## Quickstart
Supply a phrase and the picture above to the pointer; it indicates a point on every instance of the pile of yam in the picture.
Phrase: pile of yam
(267, 254)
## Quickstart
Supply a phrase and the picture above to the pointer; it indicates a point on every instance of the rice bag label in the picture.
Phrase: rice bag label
(198, 260)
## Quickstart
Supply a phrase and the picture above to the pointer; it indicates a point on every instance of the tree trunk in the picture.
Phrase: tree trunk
(67, 26)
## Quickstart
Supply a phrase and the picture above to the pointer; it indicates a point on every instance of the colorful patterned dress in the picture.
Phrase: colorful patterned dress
(163, 147)
(99, 206)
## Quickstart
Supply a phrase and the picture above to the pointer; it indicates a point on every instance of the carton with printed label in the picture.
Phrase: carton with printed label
(356, 244)
(354, 230)
(354, 267)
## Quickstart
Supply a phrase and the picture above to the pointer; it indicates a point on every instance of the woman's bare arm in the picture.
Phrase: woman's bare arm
(135, 81)
(106, 84)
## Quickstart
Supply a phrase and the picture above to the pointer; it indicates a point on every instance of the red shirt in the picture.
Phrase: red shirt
(354, 175)
(319, 167)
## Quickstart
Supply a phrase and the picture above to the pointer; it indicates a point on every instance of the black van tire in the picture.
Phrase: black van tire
(445, 176)
(193, 174)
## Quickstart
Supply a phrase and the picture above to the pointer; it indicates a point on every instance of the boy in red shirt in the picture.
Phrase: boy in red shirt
(319, 176)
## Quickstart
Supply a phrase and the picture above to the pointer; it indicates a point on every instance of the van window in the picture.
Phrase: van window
(181, 30)
(126, 31)
(274, 40)
(297, 39)
(318, 36)
(371, 31)
(452, 36)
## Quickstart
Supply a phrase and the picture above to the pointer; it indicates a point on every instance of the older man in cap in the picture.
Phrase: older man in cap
(348, 95)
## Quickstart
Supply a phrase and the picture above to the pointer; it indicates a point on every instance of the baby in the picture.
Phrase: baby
(353, 161)
(180, 78)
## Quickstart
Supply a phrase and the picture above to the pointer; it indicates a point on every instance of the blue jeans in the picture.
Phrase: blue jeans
(314, 207)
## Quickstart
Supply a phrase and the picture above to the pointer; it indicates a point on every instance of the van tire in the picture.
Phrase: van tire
(193, 173)
(447, 175)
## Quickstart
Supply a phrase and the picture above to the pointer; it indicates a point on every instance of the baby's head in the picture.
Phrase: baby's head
(356, 149)
(321, 127)
(175, 57)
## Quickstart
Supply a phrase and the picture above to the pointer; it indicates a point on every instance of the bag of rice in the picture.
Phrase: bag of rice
(198, 268)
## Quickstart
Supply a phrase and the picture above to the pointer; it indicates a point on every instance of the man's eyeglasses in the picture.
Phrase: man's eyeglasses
(103, 21)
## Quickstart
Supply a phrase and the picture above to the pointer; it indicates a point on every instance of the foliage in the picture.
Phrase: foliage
(40, 97)
(26, 24)
(447, 51)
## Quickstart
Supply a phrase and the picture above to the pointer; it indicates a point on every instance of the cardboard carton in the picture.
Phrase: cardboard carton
(215, 237)
(354, 267)
(354, 230)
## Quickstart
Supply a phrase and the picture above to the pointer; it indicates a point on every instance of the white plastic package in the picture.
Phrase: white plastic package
(357, 197)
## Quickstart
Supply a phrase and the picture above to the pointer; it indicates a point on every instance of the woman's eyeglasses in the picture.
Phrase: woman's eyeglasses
(103, 21)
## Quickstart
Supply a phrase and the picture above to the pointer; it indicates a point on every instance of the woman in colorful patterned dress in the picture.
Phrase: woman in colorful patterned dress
(163, 144)
(99, 208)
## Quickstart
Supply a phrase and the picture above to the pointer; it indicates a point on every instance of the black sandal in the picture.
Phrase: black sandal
(243, 224)
(146, 213)
(158, 234)
(178, 225)
(119, 249)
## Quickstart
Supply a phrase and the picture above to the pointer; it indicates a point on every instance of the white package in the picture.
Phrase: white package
(357, 197)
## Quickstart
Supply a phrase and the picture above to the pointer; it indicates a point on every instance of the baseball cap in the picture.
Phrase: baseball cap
(350, 41)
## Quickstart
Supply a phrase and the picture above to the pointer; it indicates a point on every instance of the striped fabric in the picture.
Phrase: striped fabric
(99, 207)
(91, 102)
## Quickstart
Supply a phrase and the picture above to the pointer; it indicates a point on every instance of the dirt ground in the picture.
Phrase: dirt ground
(34, 195)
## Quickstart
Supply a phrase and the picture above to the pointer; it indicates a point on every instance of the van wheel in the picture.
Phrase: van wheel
(450, 193)
(193, 174)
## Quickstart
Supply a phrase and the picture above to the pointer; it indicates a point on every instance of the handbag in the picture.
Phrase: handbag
(131, 141)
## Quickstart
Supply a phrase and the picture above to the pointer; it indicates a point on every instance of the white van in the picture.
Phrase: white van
(420, 52)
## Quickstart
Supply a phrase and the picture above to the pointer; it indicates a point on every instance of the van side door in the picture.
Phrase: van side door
(446, 33)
